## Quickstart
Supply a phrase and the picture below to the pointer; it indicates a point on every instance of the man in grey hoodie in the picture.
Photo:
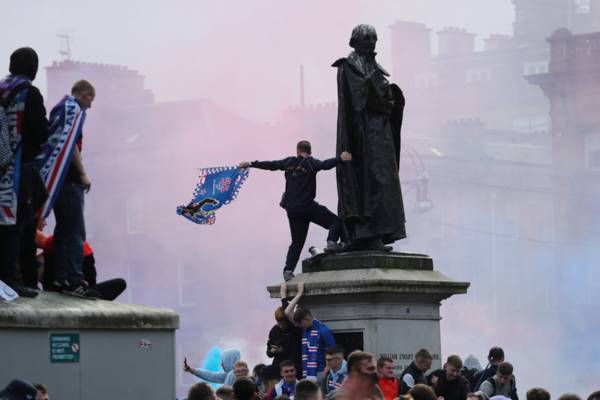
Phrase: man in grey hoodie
(226, 377)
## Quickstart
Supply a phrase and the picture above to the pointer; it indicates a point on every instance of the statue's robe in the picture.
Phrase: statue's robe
(370, 111)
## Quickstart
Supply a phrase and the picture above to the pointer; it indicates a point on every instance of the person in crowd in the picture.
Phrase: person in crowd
(106, 290)
(285, 338)
(569, 396)
(69, 232)
(42, 392)
(593, 396)
(225, 392)
(470, 368)
(245, 389)
(23, 190)
(415, 372)
(201, 391)
(227, 376)
(502, 383)
(495, 357)
(539, 394)
(361, 382)
(448, 383)
(307, 390)
(479, 395)
(316, 337)
(287, 385)
(299, 199)
(269, 377)
(240, 369)
(256, 373)
(19, 389)
(336, 370)
(388, 383)
(421, 391)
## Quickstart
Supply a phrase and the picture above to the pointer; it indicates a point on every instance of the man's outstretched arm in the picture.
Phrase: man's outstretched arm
(333, 162)
(277, 165)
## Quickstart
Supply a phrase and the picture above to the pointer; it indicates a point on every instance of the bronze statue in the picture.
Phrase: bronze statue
(369, 120)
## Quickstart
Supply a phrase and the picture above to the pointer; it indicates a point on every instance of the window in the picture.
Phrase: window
(592, 151)
(135, 206)
(582, 6)
(426, 80)
(537, 124)
(479, 75)
(535, 67)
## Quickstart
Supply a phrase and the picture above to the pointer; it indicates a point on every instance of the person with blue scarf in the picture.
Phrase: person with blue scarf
(316, 337)
(336, 371)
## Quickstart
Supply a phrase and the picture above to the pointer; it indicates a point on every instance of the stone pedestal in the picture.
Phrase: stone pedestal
(384, 303)
(87, 349)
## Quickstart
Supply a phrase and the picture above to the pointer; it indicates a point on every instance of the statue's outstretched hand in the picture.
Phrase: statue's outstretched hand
(345, 156)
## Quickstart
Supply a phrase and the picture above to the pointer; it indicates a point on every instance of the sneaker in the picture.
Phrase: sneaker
(332, 247)
(22, 290)
(287, 275)
(57, 286)
(82, 291)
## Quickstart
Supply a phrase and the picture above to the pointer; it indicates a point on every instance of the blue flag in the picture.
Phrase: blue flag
(216, 187)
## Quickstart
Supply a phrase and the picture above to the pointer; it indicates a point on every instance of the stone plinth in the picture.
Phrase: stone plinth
(385, 303)
(89, 350)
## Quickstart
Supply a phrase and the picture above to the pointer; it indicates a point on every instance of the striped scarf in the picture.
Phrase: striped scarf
(9, 177)
(310, 350)
(66, 121)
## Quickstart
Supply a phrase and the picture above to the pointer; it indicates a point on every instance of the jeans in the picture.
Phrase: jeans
(300, 220)
(69, 234)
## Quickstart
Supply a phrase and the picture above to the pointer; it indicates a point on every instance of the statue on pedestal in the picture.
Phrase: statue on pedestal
(370, 113)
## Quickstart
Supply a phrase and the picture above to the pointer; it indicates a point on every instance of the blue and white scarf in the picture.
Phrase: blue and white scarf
(66, 122)
(10, 176)
(215, 188)
(310, 351)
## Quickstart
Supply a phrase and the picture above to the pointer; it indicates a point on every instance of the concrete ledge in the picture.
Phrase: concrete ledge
(431, 284)
(367, 259)
(57, 311)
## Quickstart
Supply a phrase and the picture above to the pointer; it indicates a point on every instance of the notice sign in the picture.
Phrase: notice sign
(64, 347)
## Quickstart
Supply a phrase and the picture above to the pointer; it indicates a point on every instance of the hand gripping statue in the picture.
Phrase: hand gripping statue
(369, 120)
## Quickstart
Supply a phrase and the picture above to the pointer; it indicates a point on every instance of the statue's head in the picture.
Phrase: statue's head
(363, 39)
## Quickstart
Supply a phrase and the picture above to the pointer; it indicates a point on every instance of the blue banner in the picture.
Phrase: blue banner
(216, 187)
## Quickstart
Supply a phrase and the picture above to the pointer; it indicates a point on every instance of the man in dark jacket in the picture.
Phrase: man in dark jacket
(299, 199)
(415, 372)
(22, 191)
(448, 383)
(495, 357)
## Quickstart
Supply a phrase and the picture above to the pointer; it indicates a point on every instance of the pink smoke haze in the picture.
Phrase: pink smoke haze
(226, 79)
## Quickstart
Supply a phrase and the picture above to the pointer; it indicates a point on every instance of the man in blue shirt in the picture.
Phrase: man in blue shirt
(299, 199)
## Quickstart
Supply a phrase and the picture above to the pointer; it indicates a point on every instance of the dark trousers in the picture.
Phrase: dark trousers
(300, 220)
(111, 289)
(9, 252)
(69, 234)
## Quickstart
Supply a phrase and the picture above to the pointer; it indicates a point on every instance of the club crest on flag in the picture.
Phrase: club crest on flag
(215, 188)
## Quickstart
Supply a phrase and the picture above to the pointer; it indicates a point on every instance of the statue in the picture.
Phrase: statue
(370, 113)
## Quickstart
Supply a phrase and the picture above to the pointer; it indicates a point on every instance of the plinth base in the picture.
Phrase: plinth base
(384, 303)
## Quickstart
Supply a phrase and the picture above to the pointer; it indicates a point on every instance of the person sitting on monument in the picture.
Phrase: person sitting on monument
(388, 383)
(287, 384)
(448, 383)
(227, 376)
(299, 199)
(501, 384)
(415, 372)
(336, 370)
(316, 337)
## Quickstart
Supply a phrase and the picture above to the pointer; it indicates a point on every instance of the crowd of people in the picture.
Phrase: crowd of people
(308, 364)
(42, 170)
